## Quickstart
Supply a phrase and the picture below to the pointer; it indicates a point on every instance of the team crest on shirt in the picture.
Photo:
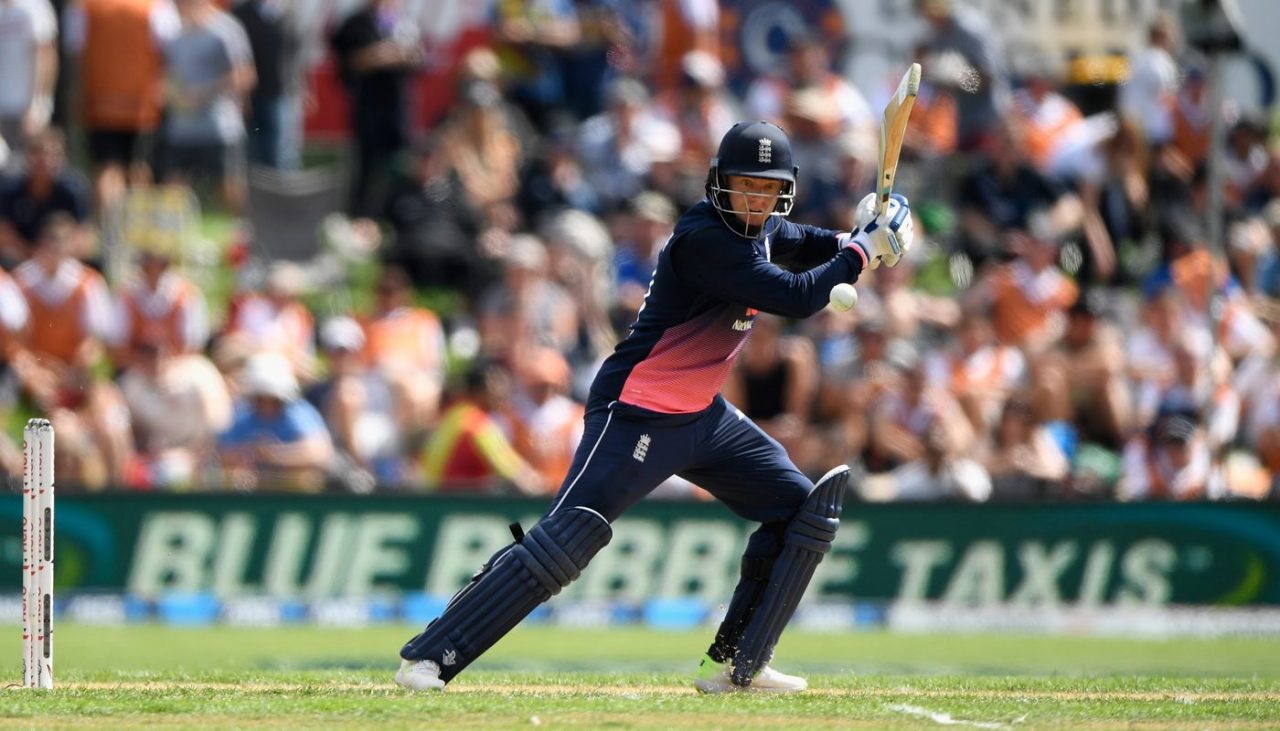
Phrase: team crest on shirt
(766, 150)
(642, 448)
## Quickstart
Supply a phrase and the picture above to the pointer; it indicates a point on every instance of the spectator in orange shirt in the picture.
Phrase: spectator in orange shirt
(71, 317)
(161, 309)
(1047, 116)
(407, 345)
(933, 127)
(119, 44)
(546, 425)
(1028, 297)
(980, 372)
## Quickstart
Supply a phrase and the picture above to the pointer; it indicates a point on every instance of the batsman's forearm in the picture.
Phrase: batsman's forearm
(806, 293)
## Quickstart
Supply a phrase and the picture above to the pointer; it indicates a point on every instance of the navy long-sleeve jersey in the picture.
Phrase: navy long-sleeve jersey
(703, 299)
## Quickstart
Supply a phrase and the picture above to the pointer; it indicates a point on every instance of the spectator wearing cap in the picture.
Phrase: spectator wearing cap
(1003, 191)
(276, 319)
(1028, 298)
(276, 440)
(71, 318)
(620, 147)
(1246, 159)
(158, 308)
(406, 344)
(469, 450)
(482, 151)
(28, 70)
(528, 306)
(546, 425)
(46, 186)
(359, 406)
(640, 230)
(1169, 461)
(1200, 384)
(178, 403)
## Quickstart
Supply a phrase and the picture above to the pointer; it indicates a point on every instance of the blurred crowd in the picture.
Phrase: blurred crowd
(1066, 330)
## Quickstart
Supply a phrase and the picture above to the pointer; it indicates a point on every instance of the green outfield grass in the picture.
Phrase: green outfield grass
(159, 677)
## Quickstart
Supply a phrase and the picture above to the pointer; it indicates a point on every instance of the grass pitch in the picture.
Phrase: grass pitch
(158, 677)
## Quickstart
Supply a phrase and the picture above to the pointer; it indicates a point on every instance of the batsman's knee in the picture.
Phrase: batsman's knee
(814, 526)
(559, 547)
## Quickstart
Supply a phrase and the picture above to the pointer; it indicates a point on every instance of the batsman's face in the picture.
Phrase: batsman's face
(753, 199)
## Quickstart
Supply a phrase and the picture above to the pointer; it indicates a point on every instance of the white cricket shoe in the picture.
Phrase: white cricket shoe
(419, 675)
(714, 677)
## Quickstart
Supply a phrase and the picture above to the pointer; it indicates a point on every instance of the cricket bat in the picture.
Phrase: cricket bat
(896, 113)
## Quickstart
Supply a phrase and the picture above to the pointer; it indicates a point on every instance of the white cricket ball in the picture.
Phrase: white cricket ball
(843, 297)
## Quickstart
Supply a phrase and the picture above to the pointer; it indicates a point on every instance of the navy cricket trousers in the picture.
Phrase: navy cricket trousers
(626, 452)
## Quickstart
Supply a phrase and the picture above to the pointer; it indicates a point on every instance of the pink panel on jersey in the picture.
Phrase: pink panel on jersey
(689, 364)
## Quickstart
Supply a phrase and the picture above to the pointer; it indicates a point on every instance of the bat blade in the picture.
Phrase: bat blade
(896, 113)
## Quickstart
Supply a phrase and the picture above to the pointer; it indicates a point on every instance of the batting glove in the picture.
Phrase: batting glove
(883, 238)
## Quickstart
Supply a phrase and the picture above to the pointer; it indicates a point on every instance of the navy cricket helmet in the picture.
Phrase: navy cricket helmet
(758, 150)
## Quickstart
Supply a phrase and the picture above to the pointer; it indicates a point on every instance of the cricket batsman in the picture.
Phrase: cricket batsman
(655, 410)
